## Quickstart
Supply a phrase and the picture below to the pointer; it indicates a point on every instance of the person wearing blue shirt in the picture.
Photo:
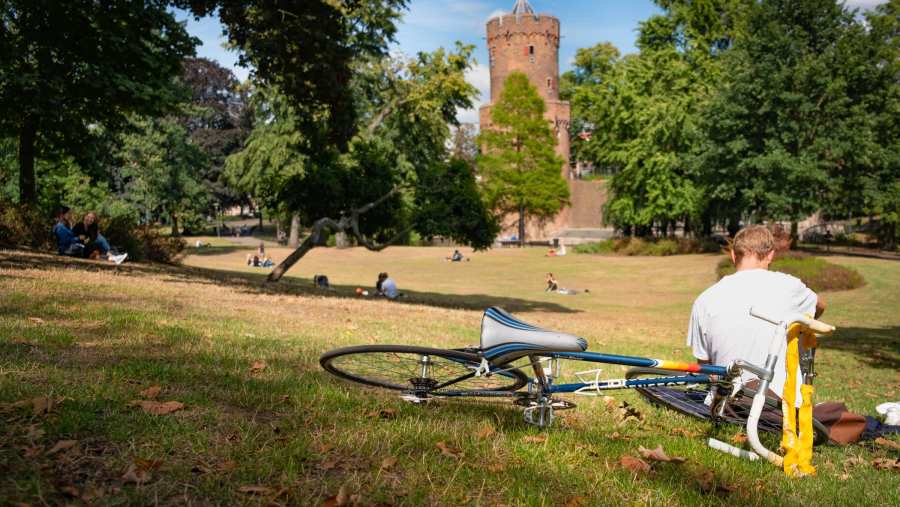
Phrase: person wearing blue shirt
(67, 243)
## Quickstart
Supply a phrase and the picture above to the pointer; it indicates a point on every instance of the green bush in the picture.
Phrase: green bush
(143, 243)
(22, 225)
(649, 247)
(817, 273)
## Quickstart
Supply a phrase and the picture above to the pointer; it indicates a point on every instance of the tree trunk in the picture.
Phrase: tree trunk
(27, 137)
(260, 220)
(175, 232)
(795, 234)
(294, 238)
(521, 227)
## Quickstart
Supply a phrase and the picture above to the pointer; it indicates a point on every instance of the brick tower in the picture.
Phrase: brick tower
(527, 42)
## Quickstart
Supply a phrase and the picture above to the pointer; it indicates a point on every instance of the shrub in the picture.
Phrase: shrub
(143, 243)
(22, 225)
(649, 247)
(598, 247)
(817, 273)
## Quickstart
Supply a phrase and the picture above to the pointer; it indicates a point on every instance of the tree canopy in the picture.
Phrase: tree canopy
(385, 183)
(68, 67)
(521, 172)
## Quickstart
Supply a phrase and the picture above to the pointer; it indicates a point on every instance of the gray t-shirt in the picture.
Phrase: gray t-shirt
(722, 330)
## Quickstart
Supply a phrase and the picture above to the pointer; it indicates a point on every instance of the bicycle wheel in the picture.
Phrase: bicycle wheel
(689, 400)
(421, 370)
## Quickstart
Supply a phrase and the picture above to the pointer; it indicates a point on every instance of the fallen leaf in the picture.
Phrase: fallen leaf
(31, 452)
(151, 392)
(854, 461)
(339, 500)
(330, 464)
(887, 443)
(634, 465)
(685, 432)
(447, 450)
(610, 402)
(226, 466)
(487, 431)
(157, 407)
(69, 490)
(844, 477)
(535, 439)
(62, 445)
(388, 463)
(41, 405)
(384, 413)
(136, 474)
(576, 501)
(886, 463)
(496, 467)
(257, 366)
(709, 484)
(255, 490)
(659, 455)
(740, 438)
(615, 435)
(36, 320)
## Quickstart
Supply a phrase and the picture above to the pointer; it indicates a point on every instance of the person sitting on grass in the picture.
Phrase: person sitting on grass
(385, 286)
(70, 243)
(456, 257)
(721, 329)
(552, 284)
(67, 243)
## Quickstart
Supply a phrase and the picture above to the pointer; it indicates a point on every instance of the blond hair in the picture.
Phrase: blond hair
(756, 239)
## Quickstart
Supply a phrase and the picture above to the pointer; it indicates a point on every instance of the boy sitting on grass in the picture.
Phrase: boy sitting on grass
(722, 330)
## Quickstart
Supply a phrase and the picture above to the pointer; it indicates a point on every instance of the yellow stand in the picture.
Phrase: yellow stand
(797, 442)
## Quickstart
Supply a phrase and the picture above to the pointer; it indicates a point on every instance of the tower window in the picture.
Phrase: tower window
(530, 50)
(549, 83)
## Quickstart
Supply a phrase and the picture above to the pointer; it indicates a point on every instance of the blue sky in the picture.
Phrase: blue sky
(430, 24)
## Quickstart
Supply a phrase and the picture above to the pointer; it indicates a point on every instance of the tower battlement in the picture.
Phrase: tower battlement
(527, 43)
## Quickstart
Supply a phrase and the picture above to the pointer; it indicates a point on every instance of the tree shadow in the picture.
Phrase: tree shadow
(255, 283)
(875, 347)
(219, 250)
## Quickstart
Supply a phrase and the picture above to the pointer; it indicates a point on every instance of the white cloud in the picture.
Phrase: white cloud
(864, 4)
(478, 76)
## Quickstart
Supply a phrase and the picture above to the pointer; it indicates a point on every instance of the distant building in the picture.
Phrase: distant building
(529, 43)
(525, 41)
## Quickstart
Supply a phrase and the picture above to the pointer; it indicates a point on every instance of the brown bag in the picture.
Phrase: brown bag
(844, 427)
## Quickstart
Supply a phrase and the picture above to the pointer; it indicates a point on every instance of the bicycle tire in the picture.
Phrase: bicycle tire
(452, 374)
(688, 400)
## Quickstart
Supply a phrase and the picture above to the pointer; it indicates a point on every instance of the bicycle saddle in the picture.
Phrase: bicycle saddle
(500, 328)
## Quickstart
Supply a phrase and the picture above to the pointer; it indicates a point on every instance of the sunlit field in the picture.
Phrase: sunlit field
(83, 344)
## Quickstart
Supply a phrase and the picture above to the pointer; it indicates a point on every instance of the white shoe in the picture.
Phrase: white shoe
(119, 259)
(891, 412)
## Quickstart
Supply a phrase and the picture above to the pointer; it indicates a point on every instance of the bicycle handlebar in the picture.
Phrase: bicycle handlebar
(794, 318)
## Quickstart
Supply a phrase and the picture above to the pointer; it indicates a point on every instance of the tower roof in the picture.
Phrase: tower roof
(522, 7)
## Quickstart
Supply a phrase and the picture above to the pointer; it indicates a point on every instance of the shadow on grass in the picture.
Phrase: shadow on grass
(875, 347)
(218, 250)
(255, 283)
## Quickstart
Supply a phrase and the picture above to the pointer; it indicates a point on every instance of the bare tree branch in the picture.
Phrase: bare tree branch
(349, 222)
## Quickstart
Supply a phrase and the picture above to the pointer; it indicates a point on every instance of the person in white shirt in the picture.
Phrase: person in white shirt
(386, 286)
(722, 330)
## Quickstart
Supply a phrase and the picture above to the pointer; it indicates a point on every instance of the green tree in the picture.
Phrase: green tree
(385, 183)
(68, 67)
(159, 167)
(521, 171)
(800, 118)
(308, 49)
(644, 110)
(218, 120)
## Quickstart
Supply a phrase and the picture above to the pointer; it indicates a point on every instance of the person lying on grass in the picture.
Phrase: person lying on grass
(69, 243)
(721, 329)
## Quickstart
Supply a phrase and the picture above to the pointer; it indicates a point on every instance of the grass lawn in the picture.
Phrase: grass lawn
(263, 424)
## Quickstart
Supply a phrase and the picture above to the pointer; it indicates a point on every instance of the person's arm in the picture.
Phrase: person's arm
(820, 305)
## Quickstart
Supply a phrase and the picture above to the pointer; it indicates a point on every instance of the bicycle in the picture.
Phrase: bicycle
(488, 371)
